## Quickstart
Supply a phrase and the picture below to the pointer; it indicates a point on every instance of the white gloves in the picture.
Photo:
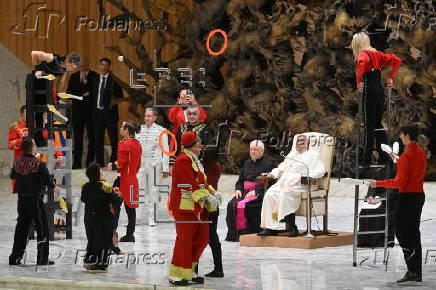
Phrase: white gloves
(212, 200)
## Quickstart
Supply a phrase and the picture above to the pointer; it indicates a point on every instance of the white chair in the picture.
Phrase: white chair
(325, 146)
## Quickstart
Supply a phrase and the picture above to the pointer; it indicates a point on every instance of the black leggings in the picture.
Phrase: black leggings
(131, 217)
(373, 105)
(214, 242)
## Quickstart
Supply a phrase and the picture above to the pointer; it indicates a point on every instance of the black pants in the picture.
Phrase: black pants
(131, 216)
(99, 235)
(105, 119)
(408, 218)
(373, 105)
(35, 120)
(31, 209)
(82, 119)
(214, 242)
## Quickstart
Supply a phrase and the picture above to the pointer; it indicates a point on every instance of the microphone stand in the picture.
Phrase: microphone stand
(309, 197)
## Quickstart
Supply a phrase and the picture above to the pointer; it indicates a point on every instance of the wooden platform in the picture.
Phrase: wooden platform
(283, 241)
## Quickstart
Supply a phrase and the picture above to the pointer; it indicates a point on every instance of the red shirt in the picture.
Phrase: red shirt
(16, 134)
(129, 156)
(379, 59)
(411, 169)
(176, 115)
(128, 163)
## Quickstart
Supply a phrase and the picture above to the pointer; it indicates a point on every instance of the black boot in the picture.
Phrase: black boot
(215, 274)
(267, 232)
(14, 262)
(294, 232)
(198, 279)
(128, 239)
(290, 225)
(182, 282)
(411, 276)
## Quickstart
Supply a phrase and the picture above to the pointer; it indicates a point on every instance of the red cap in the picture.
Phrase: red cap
(189, 138)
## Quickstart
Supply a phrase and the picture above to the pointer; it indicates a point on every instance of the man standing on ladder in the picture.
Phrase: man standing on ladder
(411, 170)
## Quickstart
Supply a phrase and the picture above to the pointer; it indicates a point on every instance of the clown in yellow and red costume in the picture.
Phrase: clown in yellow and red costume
(190, 202)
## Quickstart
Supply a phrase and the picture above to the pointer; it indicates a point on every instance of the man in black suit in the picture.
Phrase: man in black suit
(105, 91)
(80, 84)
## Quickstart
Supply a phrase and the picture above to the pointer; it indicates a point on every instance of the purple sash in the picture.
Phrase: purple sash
(250, 185)
(241, 220)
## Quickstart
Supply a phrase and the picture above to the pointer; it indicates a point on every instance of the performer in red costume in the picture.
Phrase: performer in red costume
(177, 115)
(368, 78)
(190, 201)
(17, 131)
(128, 164)
(411, 170)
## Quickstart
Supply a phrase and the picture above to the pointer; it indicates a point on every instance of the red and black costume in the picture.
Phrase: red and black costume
(411, 169)
(188, 203)
(32, 177)
(368, 69)
(128, 164)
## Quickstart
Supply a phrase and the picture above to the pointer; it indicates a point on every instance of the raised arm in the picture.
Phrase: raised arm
(40, 56)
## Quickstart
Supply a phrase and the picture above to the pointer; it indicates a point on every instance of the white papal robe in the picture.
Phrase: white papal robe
(284, 197)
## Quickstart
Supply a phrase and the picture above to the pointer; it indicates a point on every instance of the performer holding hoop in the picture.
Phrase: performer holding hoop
(368, 78)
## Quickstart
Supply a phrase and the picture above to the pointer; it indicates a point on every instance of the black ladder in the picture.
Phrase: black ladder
(38, 96)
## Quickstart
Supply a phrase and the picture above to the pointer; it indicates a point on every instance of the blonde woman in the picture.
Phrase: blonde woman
(368, 78)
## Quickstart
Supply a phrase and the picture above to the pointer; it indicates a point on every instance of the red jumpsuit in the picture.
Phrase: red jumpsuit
(17, 131)
(187, 203)
(128, 163)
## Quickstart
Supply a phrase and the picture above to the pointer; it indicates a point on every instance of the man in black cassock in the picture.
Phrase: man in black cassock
(248, 186)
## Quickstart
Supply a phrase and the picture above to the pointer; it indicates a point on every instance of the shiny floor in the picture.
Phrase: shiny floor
(245, 268)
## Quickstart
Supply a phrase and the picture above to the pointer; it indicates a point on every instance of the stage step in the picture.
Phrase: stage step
(282, 241)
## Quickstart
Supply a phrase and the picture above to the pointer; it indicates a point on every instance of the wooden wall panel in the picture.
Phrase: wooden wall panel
(65, 38)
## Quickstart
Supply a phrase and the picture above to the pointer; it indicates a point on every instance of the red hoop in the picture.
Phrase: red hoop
(212, 33)
(172, 153)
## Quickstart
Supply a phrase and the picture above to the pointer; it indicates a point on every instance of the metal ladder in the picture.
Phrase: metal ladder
(42, 89)
(357, 199)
